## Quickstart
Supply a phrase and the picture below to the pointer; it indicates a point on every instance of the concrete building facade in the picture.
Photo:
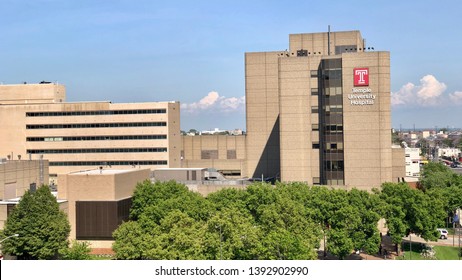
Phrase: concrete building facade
(225, 153)
(17, 177)
(319, 112)
(99, 201)
(412, 158)
(36, 122)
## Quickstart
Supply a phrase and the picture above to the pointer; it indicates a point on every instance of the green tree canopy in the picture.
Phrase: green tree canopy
(438, 175)
(43, 229)
(411, 211)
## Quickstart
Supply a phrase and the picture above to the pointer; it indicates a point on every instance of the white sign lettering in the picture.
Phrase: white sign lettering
(362, 96)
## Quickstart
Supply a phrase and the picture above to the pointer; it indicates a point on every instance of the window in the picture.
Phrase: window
(316, 181)
(314, 91)
(209, 154)
(231, 154)
(302, 52)
(104, 163)
(96, 113)
(315, 145)
(314, 73)
(335, 165)
(314, 109)
(91, 125)
(87, 151)
(315, 127)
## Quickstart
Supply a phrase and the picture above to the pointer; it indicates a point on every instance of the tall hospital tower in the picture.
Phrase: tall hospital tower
(319, 112)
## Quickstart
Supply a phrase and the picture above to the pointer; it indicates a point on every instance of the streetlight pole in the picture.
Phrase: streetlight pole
(460, 252)
(410, 246)
(1, 241)
(14, 235)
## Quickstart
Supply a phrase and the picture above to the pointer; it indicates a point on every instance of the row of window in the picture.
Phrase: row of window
(332, 109)
(329, 146)
(333, 165)
(213, 154)
(96, 138)
(104, 163)
(87, 151)
(333, 91)
(95, 113)
(92, 125)
(328, 128)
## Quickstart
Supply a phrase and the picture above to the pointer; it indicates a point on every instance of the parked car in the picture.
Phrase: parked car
(443, 233)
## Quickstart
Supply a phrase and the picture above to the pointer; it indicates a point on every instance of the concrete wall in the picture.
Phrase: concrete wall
(299, 161)
(226, 147)
(3, 215)
(181, 174)
(367, 128)
(399, 164)
(318, 42)
(32, 93)
(13, 133)
(16, 176)
(92, 186)
(262, 113)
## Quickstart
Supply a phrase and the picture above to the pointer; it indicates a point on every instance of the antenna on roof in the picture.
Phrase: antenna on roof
(328, 40)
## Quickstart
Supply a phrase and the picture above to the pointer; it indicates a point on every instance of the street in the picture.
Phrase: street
(441, 242)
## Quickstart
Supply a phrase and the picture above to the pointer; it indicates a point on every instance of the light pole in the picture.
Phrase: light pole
(410, 246)
(1, 241)
(14, 235)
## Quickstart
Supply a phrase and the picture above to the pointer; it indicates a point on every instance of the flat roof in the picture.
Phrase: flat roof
(17, 199)
(180, 169)
(103, 171)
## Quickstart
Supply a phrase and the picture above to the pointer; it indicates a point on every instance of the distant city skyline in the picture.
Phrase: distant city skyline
(193, 52)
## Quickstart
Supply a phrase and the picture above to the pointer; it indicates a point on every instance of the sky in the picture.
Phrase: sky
(193, 51)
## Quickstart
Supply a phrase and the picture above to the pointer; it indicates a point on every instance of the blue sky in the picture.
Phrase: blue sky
(193, 51)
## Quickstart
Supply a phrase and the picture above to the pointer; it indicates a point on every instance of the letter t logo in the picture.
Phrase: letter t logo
(361, 77)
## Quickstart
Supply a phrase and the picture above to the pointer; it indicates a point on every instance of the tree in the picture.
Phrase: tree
(77, 251)
(339, 244)
(158, 199)
(43, 229)
(411, 211)
(442, 184)
(131, 241)
(177, 237)
(437, 175)
(232, 234)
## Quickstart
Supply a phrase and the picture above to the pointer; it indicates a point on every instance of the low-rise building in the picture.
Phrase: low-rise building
(99, 201)
(17, 177)
(412, 158)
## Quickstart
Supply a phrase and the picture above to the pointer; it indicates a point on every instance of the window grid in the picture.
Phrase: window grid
(99, 163)
(95, 113)
(93, 125)
(96, 138)
(105, 150)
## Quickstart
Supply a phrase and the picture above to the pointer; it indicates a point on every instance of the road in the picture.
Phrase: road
(441, 242)
(457, 170)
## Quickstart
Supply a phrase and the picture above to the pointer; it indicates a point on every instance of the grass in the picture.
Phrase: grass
(446, 252)
(441, 252)
(102, 257)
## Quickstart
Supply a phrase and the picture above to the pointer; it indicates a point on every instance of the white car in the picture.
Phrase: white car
(443, 233)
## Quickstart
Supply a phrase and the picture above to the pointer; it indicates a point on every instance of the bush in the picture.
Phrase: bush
(78, 251)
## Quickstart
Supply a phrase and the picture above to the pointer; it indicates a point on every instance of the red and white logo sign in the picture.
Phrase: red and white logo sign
(361, 77)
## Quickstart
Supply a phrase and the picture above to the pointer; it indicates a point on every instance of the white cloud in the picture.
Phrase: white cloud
(428, 93)
(213, 102)
(456, 97)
